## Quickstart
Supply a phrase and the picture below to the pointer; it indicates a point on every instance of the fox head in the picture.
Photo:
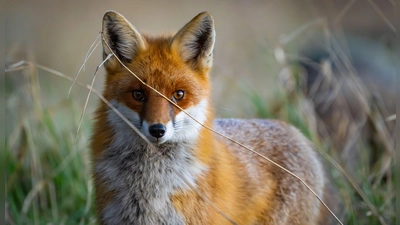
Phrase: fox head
(177, 66)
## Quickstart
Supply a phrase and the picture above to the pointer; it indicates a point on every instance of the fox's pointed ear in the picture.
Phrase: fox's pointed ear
(195, 42)
(123, 39)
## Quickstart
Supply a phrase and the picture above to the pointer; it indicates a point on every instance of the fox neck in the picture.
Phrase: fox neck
(143, 177)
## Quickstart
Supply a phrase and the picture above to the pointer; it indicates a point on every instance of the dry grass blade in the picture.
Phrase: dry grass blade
(31, 195)
(285, 39)
(344, 11)
(390, 118)
(222, 135)
(89, 199)
(383, 132)
(382, 15)
(393, 2)
(53, 201)
(344, 66)
(355, 186)
(88, 96)
(88, 54)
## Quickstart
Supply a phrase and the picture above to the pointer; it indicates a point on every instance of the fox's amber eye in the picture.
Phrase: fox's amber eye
(138, 95)
(178, 95)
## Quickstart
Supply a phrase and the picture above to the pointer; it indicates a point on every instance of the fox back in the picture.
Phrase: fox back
(156, 164)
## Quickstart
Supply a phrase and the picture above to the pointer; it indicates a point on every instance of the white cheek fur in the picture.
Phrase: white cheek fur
(187, 129)
(125, 132)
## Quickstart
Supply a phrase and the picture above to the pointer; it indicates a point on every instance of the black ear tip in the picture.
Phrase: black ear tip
(111, 14)
(205, 16)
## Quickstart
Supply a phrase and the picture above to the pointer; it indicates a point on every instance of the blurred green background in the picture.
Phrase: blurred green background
(258, 72)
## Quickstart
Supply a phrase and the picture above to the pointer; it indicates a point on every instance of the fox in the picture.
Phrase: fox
(171, 169)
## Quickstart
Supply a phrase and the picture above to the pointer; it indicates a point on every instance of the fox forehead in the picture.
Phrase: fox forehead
(159, 67)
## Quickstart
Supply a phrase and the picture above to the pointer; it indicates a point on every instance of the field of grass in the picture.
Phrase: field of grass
(48, 166)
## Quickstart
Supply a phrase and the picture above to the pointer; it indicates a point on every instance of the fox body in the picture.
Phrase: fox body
(175, 171)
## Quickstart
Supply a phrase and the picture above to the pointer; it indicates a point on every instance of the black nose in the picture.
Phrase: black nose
(157, 130)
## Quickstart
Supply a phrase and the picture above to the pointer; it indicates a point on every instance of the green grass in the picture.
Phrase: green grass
(48, 178)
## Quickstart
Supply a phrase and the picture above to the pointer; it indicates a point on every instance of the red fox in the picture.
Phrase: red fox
(181, 172)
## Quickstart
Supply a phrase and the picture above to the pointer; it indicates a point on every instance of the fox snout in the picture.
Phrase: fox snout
(171, 128)
(157, 130)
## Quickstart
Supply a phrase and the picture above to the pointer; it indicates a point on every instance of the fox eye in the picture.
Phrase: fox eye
(178, 95)
(138, 95)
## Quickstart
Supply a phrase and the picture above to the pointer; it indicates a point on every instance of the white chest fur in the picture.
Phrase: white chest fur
(143, 178)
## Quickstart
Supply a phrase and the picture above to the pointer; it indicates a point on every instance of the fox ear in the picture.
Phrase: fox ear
(123, 39)
(195, 42)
